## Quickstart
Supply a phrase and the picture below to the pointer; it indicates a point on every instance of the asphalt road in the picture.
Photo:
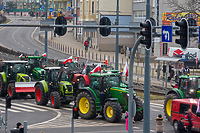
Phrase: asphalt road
(49, 120)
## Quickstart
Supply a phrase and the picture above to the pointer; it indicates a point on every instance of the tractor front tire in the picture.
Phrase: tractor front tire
(168, 105)
(139, 112)
(112, 111)
(81, 83)
(11, 90)
(40, 98)
(2, 91)
(86, 104)
(55, 99)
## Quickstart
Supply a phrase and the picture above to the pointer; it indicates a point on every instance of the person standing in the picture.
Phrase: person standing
(186, 70)
(181, 127)
(86, 43)
(1, 120)
(159, 124)
(189, 121)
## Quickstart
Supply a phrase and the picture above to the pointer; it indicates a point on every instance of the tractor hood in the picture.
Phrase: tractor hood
(21, 77)
(66, 87)
(123, 90)
(38, 70)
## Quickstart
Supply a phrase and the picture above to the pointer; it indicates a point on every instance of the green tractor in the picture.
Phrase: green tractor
(55, 87)
(34, 67)
(188, 87)
(106, 96)
(13, 72)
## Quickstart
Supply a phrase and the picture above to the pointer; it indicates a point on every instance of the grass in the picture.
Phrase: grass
(7, 20)
(152, 97)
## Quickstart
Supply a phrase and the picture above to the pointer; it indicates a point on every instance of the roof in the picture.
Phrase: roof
(53, 68)
(104, 74)
(32, 57)
(191, 76)
(168, 59)
(15, 61)
(187, 101)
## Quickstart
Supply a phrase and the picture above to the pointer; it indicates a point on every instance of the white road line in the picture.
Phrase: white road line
(11, 110)
(155, 110)
(43, 107)
(28, 107)
(156, 106)
(33, 32)
(67, 108)
(22, 109)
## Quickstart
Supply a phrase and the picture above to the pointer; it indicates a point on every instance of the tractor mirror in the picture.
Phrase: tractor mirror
(42, 72)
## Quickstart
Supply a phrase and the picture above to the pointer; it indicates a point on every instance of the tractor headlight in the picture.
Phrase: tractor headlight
(191, 91)
(134, 94)
(127, 95)
(77, 79)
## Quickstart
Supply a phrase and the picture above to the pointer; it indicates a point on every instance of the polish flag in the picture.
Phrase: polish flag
(84, 69)
(106, 61)
(43, 55)
(125, 71)
(198, 107)
(68, 60)
(96, 69)
(20, 55)
(77, 58)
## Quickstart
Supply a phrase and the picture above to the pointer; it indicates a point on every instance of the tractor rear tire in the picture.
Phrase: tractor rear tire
(55, 99)
(11, 90)
(2, 90)
(86, 104)
(139, 112)
(40, 98)
(168, 105)
(81, 83)
(112, 111)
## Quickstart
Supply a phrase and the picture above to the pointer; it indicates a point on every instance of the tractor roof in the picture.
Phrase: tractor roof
(187, 101)
(104, 74)
(31, 57)
(53, 68)
(191, 76)
(15, 61)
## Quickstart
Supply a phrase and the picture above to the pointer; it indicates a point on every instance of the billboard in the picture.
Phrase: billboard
(170, 18)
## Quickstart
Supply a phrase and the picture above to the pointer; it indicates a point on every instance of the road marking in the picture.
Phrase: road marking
(67, 109)
(44, 107)
(155, 110)
(33, 32)
(156, 106)
(22, 109)
(11, 110)
(28, 107)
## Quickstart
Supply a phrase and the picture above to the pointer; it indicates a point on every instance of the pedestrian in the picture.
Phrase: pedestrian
(186, 70)
(189, 121)
(181, 128)
(86, 43)
(158, 71)
(1, 120)
(159, 124)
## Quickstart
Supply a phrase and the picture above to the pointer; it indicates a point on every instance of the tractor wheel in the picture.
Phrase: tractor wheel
(11, 90)
(112, 111)
(55, 99)
(86, 104)
(40, 98)
(2, 91)
(81, 83)
(139, 112)
(168, 105)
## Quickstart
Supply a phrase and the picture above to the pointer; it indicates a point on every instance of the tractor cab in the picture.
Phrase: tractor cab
(190, 85)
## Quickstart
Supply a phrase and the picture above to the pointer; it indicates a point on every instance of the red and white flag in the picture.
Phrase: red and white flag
(84, 69)
(43, 55)
(106, 61)
(96, 69)
(198, 107)
(20, 55)
(77, 58)
(68, 60)
(125, 71)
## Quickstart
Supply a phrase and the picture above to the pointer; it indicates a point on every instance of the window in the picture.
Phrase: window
(81, 8)
(86, 7)
(183, 108)
(92, 7)
(194, 109)
(139, 16)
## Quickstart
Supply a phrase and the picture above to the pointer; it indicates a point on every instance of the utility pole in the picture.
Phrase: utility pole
(98, 14)
(146, 124)
(46, 48)
(117, 38)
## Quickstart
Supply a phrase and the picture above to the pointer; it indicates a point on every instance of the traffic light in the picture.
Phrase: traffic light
(8, 102)
(75, 112)
(192, 22)
(61, 30)
(105, 31)
(147, 41)
(183, 33)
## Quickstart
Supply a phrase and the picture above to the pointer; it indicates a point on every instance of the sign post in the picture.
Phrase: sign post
(196, 63)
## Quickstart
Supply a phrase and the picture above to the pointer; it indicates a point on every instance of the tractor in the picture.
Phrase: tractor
(188, 87)
(34, 67)
(13, 72)
(106, 97)
(55, 87)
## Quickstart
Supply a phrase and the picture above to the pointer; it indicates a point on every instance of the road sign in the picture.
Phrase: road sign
(74, 15)
(183, 57)
(2, 6)
(166, 33)
(69, 8)
(50, 9)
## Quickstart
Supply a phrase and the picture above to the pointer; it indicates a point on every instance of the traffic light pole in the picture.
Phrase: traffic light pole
(146, 124)
(117, 38)
(46, 49)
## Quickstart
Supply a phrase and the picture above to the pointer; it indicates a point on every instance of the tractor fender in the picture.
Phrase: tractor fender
(176, 92)
(90, 92)
(110, 99)
(43, 83)
(87, 80)
(3, 75)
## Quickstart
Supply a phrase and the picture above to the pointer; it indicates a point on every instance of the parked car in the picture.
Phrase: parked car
(69, 17)
(179, 106)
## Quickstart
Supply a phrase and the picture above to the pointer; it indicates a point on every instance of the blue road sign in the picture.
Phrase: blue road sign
(74, 15)
(183, 57)
(166, 33)
(42, 7)
(2, 6)
(69, 8)
(50, 9)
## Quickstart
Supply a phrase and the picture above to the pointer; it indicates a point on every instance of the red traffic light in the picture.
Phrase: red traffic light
(75, 109)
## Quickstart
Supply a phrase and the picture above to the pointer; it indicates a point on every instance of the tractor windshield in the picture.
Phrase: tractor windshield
(55, 74)
(114, 80)
(35, 62)
(19, 68)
